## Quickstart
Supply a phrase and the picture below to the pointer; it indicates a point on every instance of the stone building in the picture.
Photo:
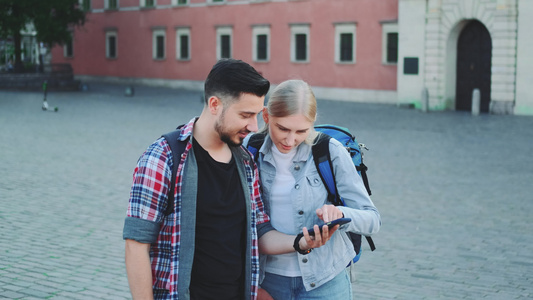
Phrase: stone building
(448, 48)
(430, 54)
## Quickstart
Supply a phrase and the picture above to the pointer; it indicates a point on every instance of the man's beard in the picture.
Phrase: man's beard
(225, 136)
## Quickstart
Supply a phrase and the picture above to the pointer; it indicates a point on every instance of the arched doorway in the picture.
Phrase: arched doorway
(474, 56)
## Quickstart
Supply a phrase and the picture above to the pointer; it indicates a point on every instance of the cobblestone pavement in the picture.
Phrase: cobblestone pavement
(454, 192)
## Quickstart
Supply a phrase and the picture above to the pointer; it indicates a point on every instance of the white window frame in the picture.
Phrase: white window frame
(300, 29)
(106, 4)
(83, 8)
(179, 32)
(386, 28)
(340, 29)
(176, 3)
(256, 31)
(107, 35)
(155, 33)
(142, 3)
(216, 1)
(224, 30)
(65, 49)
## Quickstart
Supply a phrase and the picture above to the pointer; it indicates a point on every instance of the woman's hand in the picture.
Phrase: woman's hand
(326, 213)
(319, 239)
(329, 213)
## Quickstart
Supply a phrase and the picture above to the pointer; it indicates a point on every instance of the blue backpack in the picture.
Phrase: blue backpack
(324, 166)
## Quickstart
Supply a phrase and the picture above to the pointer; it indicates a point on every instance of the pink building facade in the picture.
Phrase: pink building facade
(346, 49)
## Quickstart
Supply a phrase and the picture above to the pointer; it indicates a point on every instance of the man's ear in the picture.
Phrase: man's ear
(265, 115)
(214, 104)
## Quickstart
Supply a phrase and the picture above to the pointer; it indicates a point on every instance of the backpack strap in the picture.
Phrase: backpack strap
(324, 166)
(362, 169)
(177, 148)
(254, 144)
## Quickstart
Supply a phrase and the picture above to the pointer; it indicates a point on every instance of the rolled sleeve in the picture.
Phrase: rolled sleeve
(142, 231)
(264, 228)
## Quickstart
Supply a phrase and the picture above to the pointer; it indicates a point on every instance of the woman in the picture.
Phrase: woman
(295, 198)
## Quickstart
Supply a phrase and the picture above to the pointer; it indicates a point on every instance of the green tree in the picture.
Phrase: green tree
(52, 19)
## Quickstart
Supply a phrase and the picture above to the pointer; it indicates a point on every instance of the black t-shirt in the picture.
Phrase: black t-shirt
(218, 267)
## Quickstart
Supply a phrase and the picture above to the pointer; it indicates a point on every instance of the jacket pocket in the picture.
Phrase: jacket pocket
(314, 180)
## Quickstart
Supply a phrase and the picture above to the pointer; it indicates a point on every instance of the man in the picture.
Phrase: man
(207, 248)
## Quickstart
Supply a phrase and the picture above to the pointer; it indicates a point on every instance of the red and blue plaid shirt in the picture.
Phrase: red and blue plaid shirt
(148, 198)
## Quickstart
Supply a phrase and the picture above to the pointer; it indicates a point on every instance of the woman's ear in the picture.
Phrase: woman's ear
(265, 115)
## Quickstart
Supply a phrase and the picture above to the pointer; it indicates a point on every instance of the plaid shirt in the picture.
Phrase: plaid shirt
(148, 198)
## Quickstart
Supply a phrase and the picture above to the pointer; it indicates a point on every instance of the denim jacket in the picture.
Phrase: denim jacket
(308, 194)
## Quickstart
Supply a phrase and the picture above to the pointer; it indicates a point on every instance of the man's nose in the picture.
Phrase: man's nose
(252, 125)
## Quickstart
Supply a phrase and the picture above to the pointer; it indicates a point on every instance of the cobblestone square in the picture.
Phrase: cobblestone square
(455, 193)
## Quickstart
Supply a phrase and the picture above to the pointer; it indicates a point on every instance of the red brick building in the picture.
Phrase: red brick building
(346, 49)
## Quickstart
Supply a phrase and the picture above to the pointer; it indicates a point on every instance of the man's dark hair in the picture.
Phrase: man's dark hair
(229, 78)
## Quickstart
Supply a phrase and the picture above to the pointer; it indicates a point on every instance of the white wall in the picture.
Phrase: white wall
(524, 72)
(411, 23)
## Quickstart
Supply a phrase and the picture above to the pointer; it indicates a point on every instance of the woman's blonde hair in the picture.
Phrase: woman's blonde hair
(293, 97)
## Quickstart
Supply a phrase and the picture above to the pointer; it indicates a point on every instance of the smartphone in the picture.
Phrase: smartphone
(331, 225)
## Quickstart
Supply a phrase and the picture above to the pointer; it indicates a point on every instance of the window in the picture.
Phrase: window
(111, 44)
(158, 43)
(300, 43)
(183, 44)
(68, 48)
(261, 43)
(217, 1)
(345, 43)
(224, 37)
(148, 3)
(390, 43)
(392, 47)
(179, 2)
(111, 4)
(85, 5)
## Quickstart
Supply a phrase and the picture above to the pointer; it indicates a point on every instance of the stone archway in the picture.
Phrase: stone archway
(474, 57)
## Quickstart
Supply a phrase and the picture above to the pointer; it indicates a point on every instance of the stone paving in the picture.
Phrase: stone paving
(454, 192)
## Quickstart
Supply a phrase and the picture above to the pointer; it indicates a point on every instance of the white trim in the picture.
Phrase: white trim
(300, 29)
(321, 93)
(142, 3)
(193, 85)
(355, 95)
(180, 32)
(340, 29)
(155, 34)
(82, 8)
(175, 3)
(224, 30)
(107, 35)
(387, 28)
(256, 31)
(65, 50)
(106, 4)
(64, 46)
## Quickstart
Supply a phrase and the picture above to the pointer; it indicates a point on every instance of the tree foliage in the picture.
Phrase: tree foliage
(53, 20)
